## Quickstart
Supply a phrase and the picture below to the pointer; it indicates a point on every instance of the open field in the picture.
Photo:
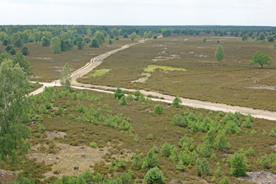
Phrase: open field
(232, 81)
(66, 141)
(47, 66)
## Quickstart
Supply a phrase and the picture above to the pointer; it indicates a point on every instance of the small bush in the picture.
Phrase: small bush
(136, 138)
(225, 180)
(93, 145)
(155, 36)
(250, 152)
(121, 164)
(149, 137)
(71, 116)
(176, 102)
(158, 109)
(253, 132)
(203, 167)
(123, 101)
(166, 149)
(118, 94)
(238, 164)
(41, 127)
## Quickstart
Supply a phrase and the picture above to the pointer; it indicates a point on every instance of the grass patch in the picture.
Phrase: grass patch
(151, 68)
(100, 72)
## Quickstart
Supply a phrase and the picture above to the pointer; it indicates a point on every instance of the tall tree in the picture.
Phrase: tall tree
(166, 32)
(261, 59)
(219, 54)
(55, 45)
(94, 44)
(65, 77)
(25, 51)
(45, 42)
(22, 61)
(13, 110)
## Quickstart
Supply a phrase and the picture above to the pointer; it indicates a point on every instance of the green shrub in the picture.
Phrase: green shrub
(203, 167)
(176, 102)
(68, 103)
(41, 127)
(71, 116)
(166, 149)
(123, 101)
(158, 109)
(218, 171)
(180, 166)
(118, 94)
(93, 145)
(238, 164)
(149, 137)
(264, 132)
(150, 160)
(180, 121)
(48, 105)
(121, 164)
(221, 141)
(154, 175)
(250, 152)
(213, 156)
(204, 149)
(174, 155)
(225, 180)
(136, 138)
(253, 132)
(42, 109)
(264, 161)
(272, 133)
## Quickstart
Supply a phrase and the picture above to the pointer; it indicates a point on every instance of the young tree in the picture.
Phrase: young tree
(5, 42)
(110, 42)
(150, 160)
(261, 59)
(204, 40)
(99, 36)
(23, 63)
(13, 111)
(221, 141)
(261, 36)
(244, 37)
(203, 167)
(176, 102)
(238, 164)
(65, 77)
(25, 51)
(94, 44)
(155, 36)
(55, 45)
(18, 43)
(133, 36)
(270, 38)
(219, 54)
(125, 35)
(166, 32)
(80, 45)
(154, 175)
(45, 42)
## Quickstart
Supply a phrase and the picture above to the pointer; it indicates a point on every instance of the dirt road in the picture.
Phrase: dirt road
(94, 62)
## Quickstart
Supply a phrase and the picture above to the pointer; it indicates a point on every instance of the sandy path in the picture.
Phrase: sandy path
(94, 62)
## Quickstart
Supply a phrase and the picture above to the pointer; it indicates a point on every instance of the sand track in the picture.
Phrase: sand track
(96, 61)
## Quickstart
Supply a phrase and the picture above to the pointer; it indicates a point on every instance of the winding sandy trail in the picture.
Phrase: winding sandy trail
(94, 62)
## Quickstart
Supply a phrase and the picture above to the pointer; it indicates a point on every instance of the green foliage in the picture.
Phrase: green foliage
(250, 152)
(136, 138)
(18, 43)
(80, 45)
(55, 45)
(267, 160)
(166, 149)
(261, 36)
(118, 94)
(270, 38)
(179, 120)
(166, 32)
(272, 133)
(125, 35)
(25, 51)
(225, 180)
(65, 77)
(121, 164)
(133, 36)
(238, 164)
(213, 156)
(203, 167)
(253, 132)
(186, 142)
(218, 171)
(232, 127)
(110, 42)
(244, 37)
(14, 110)
(154, 175)
(137, 161)
(94, 44)
(149, 137)
(154, 36)
(248, 122)
(158, 109)
(22, 61)
(204, 40)
(219, 54)
(180, 166)
(45, 42)
(42, 109)
(221, 141)
(71, 116)
(123, 101)
(261, 59)
(204, 149)
(176, 102)
(117, 38)
(41, 127)
(150, 160)
(99, 36)
(174, 154)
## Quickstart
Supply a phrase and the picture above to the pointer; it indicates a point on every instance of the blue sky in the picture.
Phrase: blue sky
(139, 12)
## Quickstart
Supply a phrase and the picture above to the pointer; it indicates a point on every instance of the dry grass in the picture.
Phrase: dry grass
(227, 82)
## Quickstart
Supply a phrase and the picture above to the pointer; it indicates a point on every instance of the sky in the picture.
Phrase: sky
(139, 12)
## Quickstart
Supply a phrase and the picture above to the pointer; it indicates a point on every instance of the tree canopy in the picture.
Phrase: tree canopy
(261, 59)
(65, 77)
(133, 36)
(13, 111)
(166, 32)
(55, 45)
